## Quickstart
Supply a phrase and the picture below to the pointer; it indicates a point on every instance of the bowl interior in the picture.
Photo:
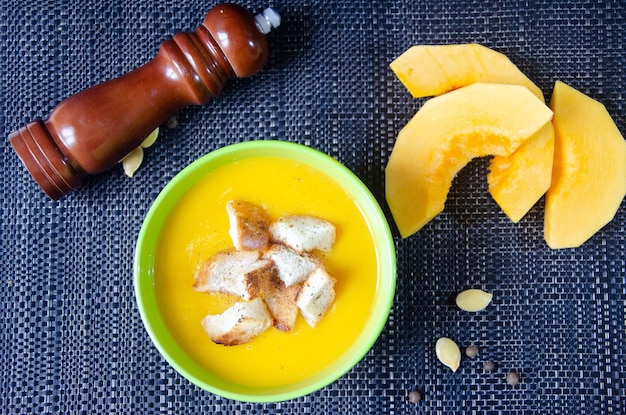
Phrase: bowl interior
(147, 246)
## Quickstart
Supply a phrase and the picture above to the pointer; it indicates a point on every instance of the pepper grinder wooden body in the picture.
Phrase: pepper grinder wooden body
(92, 131)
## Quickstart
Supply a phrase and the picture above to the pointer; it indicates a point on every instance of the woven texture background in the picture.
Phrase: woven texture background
(71, 338)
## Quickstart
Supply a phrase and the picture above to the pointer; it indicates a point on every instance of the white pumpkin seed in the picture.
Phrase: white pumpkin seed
(473, 300)
(132, 161)
(448, 353)
(150, 139)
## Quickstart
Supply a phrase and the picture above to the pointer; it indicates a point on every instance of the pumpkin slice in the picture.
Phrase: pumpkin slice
(448, 132)
(589, 173)
(430, 70)
(518, 181)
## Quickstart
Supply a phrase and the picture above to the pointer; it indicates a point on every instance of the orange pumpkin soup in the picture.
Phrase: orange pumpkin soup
(198, 228)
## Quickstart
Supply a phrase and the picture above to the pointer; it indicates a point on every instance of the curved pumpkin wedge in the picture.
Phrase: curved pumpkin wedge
(445, 134)
(518, 181)
(430, 70)
(589, 173)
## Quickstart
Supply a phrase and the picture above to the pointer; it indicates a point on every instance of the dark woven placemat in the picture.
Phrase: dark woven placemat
(71, 339)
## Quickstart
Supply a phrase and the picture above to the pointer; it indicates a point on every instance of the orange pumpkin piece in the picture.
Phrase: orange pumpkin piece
(430, 70)
(589, 173)
(518, 181)
(445, 134)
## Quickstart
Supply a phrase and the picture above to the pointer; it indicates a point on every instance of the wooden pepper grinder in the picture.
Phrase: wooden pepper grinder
(92, 131)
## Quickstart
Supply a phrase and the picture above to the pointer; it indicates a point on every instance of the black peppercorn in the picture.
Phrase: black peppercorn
(471, 351)
(415, 396)
(512, 378)
(489, 366)
(172, 122)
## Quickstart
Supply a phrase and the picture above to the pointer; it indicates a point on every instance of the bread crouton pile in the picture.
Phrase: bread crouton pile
(272, 268)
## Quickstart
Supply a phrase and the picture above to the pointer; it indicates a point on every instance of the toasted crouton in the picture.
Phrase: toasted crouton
(316, 296)
(238, 324)
(292, 266)
(280, 301)
(303, 233)
(233, 272)
(249, 225)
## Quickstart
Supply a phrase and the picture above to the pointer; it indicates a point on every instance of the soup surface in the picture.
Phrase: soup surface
(198, 228)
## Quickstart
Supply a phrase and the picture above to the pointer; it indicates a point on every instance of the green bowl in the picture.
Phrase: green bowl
(147, 244)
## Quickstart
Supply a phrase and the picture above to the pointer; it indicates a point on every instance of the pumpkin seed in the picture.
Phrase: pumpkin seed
(448, 353)
(150, 139)
(132, 161)
(473, 300)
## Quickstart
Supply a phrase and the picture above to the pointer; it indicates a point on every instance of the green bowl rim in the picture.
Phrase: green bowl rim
(186, 179)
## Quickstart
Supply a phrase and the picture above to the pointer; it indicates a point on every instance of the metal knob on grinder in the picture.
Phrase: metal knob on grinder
(90, 132)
